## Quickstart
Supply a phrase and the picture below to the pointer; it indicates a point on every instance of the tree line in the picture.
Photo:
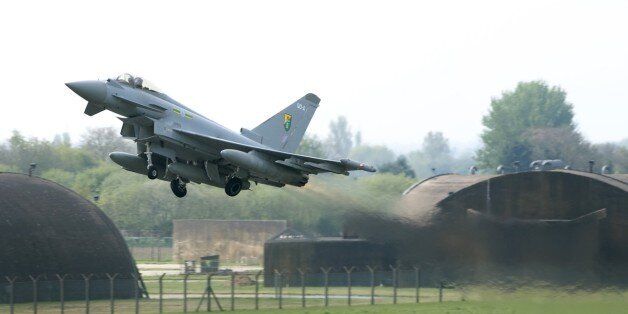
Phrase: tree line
(144, 207)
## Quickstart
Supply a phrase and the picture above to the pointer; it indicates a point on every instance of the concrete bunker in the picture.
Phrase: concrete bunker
(48, 230)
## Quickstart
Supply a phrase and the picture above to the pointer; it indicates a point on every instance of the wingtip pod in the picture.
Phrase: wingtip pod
(354, 165)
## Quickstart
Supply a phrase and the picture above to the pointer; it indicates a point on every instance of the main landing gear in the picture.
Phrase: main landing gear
(151, 169)
(178, 187)
(233, 186)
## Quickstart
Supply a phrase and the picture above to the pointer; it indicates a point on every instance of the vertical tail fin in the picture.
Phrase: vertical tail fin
(284, 131)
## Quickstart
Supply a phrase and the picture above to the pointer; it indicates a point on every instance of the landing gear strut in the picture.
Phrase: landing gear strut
(178, 187)
(233, 186)
(151, 169)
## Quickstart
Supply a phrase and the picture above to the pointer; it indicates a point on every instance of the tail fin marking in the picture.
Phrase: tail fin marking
(284, 131)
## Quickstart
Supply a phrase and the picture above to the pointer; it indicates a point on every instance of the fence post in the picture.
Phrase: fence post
(61, 288)
(161, 293)
(326, 280)
(302, 273)
(279, 285)
(112, 304)
(136, 293)
(210, 293)
(257, 289)
(275, 286)
(417, 283)
(394, 273)
(34, 280)
(440, 292)
(185, 293)
(11, 281)
(349, 270)
(209, 289)
(86, 280)
(233, 275)
(372, 272)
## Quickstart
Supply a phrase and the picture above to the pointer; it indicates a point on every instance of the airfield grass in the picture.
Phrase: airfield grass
(464, 307)
(510, 304)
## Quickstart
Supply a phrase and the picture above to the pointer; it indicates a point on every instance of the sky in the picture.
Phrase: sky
(395, 69)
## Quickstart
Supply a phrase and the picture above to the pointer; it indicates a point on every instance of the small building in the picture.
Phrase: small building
(291, 252)
(233, 240)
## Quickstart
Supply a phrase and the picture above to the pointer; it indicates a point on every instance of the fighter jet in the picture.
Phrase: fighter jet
(179, 145)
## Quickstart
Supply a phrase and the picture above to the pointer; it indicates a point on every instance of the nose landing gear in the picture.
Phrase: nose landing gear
(178, 187)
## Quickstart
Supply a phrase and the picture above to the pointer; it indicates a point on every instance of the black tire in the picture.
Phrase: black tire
(233, 187)
(178, 188)
(152, 172)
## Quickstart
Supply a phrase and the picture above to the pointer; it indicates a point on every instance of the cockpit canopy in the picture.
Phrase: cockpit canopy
(137, 82)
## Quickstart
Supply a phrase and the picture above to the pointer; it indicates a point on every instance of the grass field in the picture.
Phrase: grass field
(470, 307)
(528, 302)
(490, 301)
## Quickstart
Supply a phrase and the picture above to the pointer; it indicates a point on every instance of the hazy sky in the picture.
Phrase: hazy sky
(396, 69)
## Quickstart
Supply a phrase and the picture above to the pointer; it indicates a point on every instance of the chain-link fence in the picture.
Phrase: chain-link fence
(151, 254)
(150, 249)
(218, 292)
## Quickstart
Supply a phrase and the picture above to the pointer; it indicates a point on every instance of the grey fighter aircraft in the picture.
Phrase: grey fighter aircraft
(177, 144)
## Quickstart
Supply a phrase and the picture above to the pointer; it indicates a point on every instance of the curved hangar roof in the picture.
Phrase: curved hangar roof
(560, 194)
(556, 226)
(47, 229)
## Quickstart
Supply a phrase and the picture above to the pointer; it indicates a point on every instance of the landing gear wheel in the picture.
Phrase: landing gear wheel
(233, 187)
(152, 172)
(178, 188)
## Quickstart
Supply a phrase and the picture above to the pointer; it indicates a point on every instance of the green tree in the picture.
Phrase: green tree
(387, 183)
(433, 157)
(531, 105)
(62, 177)
(20, 153)
(62, 140)
(372, 154)
(102, 141)
(340, 139)
(8, 168)
(559, 143)
(357, 139)
(88, 182)
(399, 166)
(614, 155)
(311, 146)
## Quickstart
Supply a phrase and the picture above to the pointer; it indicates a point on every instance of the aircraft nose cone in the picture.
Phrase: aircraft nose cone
(92, 91)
